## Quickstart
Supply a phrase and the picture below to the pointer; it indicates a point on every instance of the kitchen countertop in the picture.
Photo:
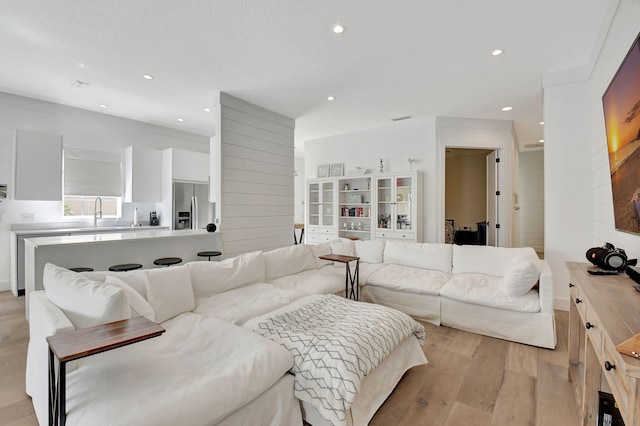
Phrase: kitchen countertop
(85, 230)
(115, 236)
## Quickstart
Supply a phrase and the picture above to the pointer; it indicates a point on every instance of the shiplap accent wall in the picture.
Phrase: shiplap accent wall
(254, 185)
(531, 199)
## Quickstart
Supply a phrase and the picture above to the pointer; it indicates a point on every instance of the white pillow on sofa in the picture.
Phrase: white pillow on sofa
(169, 292)
(369, 251)
(209, 278)
(419, 255)
(318, 250)
(343, 246)
(139, 306)
(85, 302)
(520, 275)
(287, 261)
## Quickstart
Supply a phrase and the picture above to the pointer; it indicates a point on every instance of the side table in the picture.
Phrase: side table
(89, 341)
(352, 281)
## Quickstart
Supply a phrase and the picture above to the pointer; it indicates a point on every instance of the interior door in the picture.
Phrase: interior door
(493, 200)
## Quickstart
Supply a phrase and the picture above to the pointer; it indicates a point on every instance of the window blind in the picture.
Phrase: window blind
(88, 172)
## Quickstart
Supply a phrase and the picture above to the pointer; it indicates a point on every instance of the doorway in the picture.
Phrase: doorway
(472, 185)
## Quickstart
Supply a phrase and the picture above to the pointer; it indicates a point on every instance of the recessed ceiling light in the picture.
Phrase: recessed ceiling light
(181, 119)
(331, 98)
(542, 123)
(497, 52)
(148, 77)
(207, 110)
(339, 29)
(541, 141)
(507, 108)
(102, 106)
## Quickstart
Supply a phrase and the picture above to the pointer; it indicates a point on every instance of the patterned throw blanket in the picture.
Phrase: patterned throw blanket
(335, 343)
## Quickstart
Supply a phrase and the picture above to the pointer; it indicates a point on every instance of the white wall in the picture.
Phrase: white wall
(79, 128)
(255, 148)
(578, 201)
(531, 199)
(395, 144)
(424, 141)
(298, 183)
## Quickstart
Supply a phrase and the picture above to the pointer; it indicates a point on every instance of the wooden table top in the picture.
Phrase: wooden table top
(339, 258)
(102, 338)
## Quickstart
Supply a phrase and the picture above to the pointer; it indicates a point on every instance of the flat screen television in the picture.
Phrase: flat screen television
(621, 105)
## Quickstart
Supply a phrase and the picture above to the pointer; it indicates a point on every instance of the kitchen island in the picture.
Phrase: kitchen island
(100, 251)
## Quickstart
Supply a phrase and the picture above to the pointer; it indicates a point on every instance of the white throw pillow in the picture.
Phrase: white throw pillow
(487, 260)
(369, 251)
(136, 279)
(139, 306)
(209, 278)
(318, 250)
(419, 255)
(169, 292)
(343, 246)
(85, 302)
(287, 261)
(520, 276)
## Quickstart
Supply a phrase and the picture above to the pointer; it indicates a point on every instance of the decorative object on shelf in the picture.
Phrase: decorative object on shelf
(337, 169)
(381, 166)
(358, 171)
(323, 170)
(399, 197)
(346, 186)
(354, 198)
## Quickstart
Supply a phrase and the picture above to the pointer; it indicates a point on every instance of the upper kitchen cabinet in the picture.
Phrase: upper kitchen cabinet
(187, 165)
(143, 174)
(38, 166)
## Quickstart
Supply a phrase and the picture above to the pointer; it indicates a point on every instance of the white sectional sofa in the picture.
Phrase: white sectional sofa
(485, 290)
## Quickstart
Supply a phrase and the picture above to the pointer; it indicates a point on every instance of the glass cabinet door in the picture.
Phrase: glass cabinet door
(404, 186)
(314, 203)
(327, 203)
(385, 203)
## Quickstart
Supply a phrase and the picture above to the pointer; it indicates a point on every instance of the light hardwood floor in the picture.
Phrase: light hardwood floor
(470, 379)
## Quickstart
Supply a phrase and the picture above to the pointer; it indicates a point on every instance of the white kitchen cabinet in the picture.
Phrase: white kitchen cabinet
(143, 174)
(354, 207)
(320, 223)
(189, 166)
(398, 206)
(38, 166)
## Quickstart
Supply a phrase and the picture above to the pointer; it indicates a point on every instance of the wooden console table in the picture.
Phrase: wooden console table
(85, 342)
(603, 313)
(350, 280)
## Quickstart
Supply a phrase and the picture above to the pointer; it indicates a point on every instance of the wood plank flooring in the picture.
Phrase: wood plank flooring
(470, 379)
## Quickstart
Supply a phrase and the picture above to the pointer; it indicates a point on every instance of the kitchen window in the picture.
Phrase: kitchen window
(90, 174)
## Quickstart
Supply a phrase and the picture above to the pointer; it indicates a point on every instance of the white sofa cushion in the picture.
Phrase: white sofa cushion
(406, 278)
(210, 278)
(419, 255)
(327, 280)
(136, 279)
(488, 290)
(169, 292)
(139, 306)
(85, 302)
(343, 246)
(520, 276)
(369, 251)
(318, 250)
(486, 259)
(287, 261)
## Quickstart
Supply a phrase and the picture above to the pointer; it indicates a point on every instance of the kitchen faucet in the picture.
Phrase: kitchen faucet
(96, 211)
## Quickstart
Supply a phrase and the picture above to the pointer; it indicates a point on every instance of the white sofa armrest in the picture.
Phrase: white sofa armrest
(545, 287)
(45, 319)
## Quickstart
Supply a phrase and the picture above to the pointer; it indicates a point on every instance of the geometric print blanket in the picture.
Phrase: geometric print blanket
(335, 343)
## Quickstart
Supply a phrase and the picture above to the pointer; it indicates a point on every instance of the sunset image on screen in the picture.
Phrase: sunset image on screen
(621, 104)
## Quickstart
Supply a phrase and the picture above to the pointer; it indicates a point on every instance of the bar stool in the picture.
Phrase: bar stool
(81, 269)
(167, 261)
(209, 254)
(125, 267)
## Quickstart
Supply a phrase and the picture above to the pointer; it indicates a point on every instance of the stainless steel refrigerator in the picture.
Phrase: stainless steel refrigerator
(191, 206)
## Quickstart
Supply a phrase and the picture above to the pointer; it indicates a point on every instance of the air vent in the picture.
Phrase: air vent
(534, 145)
(80, 84)
(406, 117)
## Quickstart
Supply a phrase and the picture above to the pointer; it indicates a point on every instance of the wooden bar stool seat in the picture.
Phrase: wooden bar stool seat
(209, 254)
(125, 267)
(167, 261)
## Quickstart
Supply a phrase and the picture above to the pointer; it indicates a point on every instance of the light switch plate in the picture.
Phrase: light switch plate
(27, 217)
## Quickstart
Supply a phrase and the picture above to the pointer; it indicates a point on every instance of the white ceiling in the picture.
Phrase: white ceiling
(422, 58)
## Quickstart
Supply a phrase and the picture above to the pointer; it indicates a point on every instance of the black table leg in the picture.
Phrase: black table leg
(52, 386)
(62, 393)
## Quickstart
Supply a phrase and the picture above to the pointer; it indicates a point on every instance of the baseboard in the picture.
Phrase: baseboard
(5, 285)
(561, 304)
